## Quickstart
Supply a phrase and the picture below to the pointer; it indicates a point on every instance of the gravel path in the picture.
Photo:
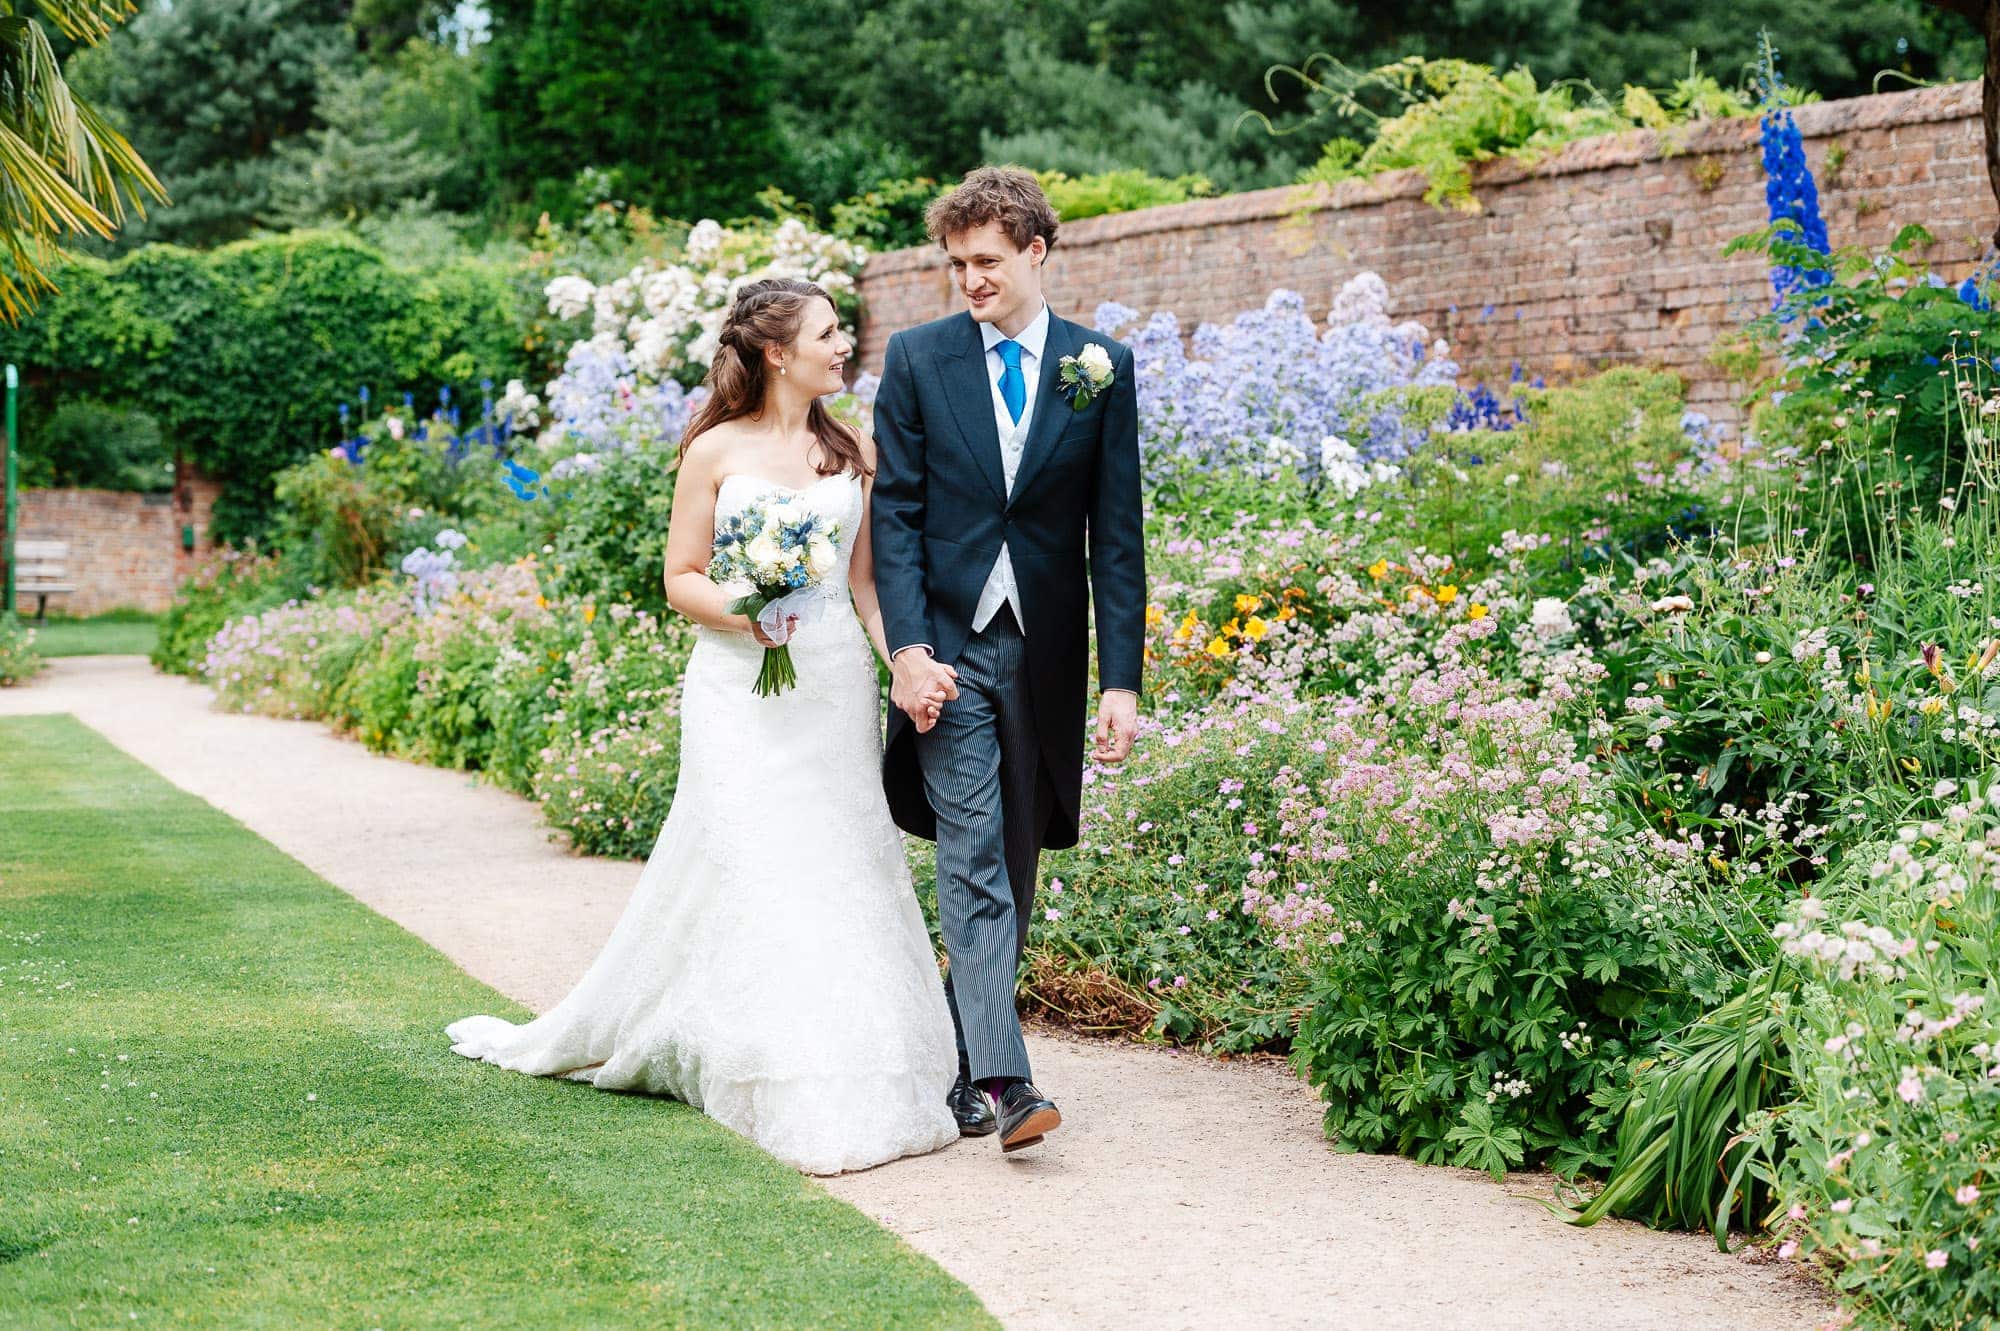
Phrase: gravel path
(1182, 1191)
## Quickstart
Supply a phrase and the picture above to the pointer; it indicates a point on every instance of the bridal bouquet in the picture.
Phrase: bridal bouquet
(783, 550)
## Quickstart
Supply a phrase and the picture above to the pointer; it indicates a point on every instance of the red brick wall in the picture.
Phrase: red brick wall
(124, 549)
(1606, 251)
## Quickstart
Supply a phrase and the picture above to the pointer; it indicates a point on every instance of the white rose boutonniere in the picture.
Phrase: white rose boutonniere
(1085, 375)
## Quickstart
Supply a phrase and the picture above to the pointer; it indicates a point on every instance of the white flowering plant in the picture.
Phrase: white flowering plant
(1883, 1160)
(781, 550)
(665, 315)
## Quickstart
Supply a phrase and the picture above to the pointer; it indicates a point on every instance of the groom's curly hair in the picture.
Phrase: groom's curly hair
(1004, 194)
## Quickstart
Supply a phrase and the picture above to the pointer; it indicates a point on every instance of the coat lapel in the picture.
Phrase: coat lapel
(961, 363)
(1052, 410)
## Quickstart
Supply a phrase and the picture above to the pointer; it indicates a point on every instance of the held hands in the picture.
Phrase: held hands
(1117, 727)
(920, 686)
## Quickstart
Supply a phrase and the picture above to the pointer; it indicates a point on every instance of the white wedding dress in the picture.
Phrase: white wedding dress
(772, 969)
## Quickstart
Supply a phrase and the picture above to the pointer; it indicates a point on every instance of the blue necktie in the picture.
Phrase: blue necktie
(1013, 387)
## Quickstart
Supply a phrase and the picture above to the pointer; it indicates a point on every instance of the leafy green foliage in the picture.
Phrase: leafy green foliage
(1866, 360)
(242, 354)
(1124, 191)
(673, 102)
(611, 546)
(1603, 469)
(89, 444)
(1454, 114)
(1682, 1160)
(355, 162)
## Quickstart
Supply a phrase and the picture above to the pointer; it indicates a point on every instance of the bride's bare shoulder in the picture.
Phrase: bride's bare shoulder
(707, 454)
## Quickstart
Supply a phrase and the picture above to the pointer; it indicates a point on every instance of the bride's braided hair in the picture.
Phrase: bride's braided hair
(765, 313)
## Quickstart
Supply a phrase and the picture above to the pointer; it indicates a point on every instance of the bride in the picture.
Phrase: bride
(772, 969)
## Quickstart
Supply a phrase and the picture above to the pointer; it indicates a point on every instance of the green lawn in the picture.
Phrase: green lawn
(226, 1100)
(115, 633)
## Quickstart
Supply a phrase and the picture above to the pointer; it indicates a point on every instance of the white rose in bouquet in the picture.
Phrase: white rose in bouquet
(1096, 362)
(763, 552)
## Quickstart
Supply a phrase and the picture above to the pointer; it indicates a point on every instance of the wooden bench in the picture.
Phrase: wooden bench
(40, 568)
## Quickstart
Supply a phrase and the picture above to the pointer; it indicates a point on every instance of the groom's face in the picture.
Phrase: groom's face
(1002, 284)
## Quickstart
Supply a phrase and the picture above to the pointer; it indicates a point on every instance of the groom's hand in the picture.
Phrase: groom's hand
(1117, 726)
(920, 685)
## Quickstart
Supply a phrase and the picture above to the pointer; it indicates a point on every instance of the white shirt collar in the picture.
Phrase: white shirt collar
(1032, 339)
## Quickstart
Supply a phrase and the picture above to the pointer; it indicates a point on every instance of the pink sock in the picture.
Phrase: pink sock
(995, 1085)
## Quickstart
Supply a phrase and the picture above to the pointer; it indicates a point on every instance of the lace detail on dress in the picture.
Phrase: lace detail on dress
(772, 968)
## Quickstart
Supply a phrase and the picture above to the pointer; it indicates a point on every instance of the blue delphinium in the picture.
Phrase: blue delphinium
(1789, 191)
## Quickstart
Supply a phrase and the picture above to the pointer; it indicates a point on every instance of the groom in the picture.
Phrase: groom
(1006, 492)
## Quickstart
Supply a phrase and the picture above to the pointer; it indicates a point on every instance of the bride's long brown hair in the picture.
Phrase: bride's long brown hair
(765, 313)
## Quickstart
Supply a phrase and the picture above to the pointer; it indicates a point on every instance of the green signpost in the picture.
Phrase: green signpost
(7, 509)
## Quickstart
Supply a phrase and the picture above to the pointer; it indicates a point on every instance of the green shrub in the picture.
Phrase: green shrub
(888, 217)
(1601, 473)
(1452, 114)
(891, 215)
(91, 445)
(242, 354)
(341, 522)
(611, 545)
(606, 775)
(19, 661)
(1077, 197)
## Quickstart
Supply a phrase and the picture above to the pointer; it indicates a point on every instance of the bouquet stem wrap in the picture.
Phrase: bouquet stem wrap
(779, 619)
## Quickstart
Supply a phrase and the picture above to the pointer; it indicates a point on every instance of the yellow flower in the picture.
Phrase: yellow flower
(1232, 630)
(1879, 708)
(1287, 612)
(1716, 863)
(589, 613)
(1379, 569)
(1475, 611)
(541, 603)
(1245, 602)
(1912, 765)
(1931, 706)
(1255, 629)
(1446, 595)
(1155, 615)
(1217, 647)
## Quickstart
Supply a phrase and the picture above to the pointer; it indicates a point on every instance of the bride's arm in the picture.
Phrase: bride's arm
(691, 539)
(861, 564)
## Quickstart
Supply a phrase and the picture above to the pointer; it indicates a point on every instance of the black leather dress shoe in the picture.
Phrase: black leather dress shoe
(971, 1108)
(1026, 1116)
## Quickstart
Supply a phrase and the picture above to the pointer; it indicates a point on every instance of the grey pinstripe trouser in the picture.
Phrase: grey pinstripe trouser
(982, 769)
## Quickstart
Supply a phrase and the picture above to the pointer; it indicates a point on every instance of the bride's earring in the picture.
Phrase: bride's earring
(781, 369)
